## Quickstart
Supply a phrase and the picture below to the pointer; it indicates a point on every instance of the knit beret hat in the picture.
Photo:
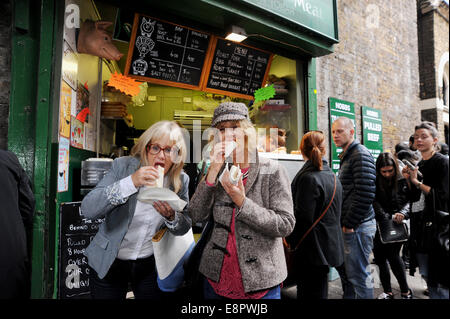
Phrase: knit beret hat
(230, 111)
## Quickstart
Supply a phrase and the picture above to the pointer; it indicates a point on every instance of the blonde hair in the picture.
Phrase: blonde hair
(155, 132)
(249, 132)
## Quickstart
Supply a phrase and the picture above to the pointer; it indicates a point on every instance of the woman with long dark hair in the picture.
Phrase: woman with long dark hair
(312, 191)
(434, 186)
(391, 202)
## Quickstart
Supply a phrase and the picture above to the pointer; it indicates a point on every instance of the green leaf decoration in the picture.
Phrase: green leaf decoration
(264, 93)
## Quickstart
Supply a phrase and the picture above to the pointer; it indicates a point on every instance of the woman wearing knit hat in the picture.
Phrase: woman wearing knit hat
(251, 205)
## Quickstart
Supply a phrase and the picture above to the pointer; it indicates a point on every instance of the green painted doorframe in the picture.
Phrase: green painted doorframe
(30, 123)
(311, 97)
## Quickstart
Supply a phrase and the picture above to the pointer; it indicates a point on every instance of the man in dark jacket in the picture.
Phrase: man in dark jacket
(357, 175)
(16, 217)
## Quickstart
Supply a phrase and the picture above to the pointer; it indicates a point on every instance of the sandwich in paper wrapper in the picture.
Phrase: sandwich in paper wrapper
(235, 173)
(157, 192)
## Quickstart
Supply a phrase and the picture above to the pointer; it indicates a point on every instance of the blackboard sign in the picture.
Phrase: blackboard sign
(237, 69)
(166, 53)
(76, 234)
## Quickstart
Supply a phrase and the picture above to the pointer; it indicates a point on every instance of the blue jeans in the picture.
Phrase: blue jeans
(357, 248)
(209, 293)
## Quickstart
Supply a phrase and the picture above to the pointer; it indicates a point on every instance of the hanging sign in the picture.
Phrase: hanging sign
(124, 84)
(337, 109)
(372, 130)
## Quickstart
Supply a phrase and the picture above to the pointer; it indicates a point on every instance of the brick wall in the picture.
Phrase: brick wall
(427, 59)
(375, 64)
(5, 69)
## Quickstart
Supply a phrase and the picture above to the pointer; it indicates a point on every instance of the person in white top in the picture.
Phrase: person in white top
(122, 253)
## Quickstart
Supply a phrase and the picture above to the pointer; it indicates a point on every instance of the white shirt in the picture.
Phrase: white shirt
(146, 221)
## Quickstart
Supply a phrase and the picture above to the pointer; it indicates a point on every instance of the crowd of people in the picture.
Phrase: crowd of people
(326, 220)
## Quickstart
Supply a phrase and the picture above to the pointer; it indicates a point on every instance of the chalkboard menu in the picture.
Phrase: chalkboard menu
(237, 69)
(166, 53)
(76, 234)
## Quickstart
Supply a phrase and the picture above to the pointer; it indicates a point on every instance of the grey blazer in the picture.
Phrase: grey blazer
(103, 201)
(266, 216)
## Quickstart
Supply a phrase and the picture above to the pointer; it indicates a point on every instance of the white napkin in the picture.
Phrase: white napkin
(150, 194)
(229, 147)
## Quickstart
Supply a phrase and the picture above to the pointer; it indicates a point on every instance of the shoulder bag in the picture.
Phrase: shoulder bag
(391, 231)
(170, 253)
(289, 252)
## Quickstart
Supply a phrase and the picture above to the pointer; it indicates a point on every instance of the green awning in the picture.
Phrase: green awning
(305, 28)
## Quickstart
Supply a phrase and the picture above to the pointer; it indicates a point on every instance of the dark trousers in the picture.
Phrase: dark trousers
(141, 274)
(347, 287)
(390, 252)
(312, 282)
(15, 281)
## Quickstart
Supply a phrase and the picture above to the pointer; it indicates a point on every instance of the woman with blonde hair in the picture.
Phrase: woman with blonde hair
(322, 247)
(122, 251)
(251, 209)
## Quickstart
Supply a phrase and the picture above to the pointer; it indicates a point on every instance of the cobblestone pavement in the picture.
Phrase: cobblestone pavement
(416, 284)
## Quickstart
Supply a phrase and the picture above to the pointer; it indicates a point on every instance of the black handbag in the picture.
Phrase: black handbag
(391, 231)
(439, 256)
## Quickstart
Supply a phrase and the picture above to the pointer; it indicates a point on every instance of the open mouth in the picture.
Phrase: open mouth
(160, 164)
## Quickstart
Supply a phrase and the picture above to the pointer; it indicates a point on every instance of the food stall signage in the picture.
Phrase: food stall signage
(316, 15)
(339, 108)
(372, 130)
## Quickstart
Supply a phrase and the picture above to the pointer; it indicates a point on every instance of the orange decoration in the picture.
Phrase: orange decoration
(124, 83)
(82, 115)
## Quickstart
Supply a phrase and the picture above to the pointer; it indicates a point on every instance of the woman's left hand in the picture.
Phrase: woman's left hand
(398, 218)
(236, 192)
(164, 209)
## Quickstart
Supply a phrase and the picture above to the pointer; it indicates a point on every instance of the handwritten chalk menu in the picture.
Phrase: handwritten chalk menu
(166, 53)
(237, 69)
(76, 234)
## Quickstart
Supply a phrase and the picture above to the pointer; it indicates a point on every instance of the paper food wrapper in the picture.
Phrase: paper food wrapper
(160, 180)
(229, 147)
(235, 173)
(150, 194)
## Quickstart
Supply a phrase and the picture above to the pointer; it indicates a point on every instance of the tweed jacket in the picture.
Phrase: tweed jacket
(265, 217)
(104, 201)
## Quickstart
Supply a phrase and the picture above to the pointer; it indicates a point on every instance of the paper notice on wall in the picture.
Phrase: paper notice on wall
(89, 137)
(63, 164)
(64, 109)
(82, 102)
(77, 133)
(70, 66)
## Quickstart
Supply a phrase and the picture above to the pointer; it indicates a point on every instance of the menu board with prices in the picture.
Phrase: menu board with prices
(167, 53)
(76, 233)
(237, 69)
